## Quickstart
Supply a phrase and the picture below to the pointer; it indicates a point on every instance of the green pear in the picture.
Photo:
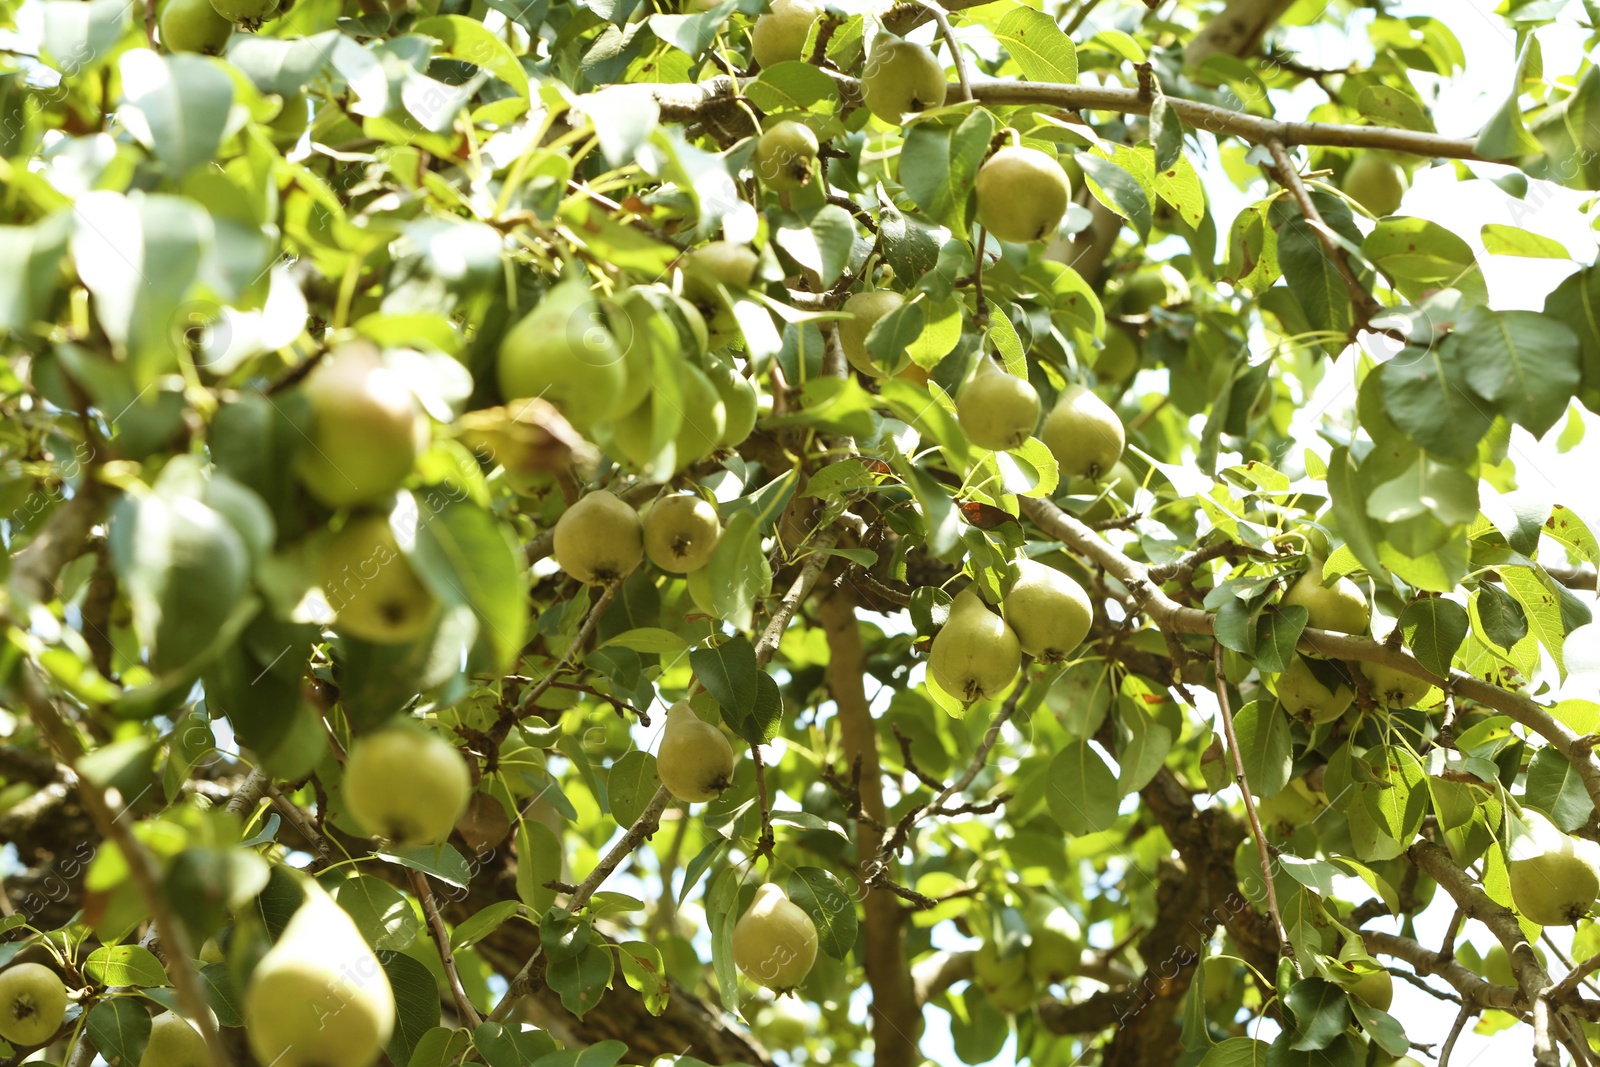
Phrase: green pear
(406, 784)
(1554, 879)
(1083, 433)
(774, 941)
(247, 11)
(193, 26)
(865, 309)
(367, 428)
(1375, 183)
(1339, 607)
(785, 156)
(1119, 360)
(1395, 689)
(371, 586)
(975, 654)
(174, 1043)
(599, 539)
(1374, 989)
(1302, 693)
(733, 265)
(705, 417)
(1048, 611)
(997, 410)
(901, 78)
(1151, 287)
(994, 971)
(1055, 945)
(780, 34)
(33, 1001)
(319, 997)
(1013, 998)
(694, 760)
(564, 351)
(681, 532)
(740, 402)
(1022, 194)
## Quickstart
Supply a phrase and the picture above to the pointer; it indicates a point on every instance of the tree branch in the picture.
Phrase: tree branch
(441, 941)
(1288, 174)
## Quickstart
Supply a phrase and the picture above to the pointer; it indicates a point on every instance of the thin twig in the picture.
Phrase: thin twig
(1250, 803)
(441, 940)
(949, 35)
(799, 589)
(1078, 18)
(765, 842)
(1462, 1016)
(1366, 304)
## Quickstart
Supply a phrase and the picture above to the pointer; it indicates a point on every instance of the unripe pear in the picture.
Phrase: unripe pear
(406, 784)
(1554, 879)
(865, 309)
(1394, 689)
(1339, 607)
(250, 11)
(775, 941)
(174, 1043)
(1119, 360)
(695, 760)
(994, 971)
(1375, 183)
(705, 419)
(319, 997)
(1048, 611)
(740, 403)
(367, 428)
(1054, 945)
(1022, 194)
(1152, 287)
(1015, 997)
(785, 156)
(733, 265)
(372, 588)
(563, 350)
(976, 654)
(1375, 989)
(1083, 433)
(33, 1001)
(997, 410)
(681, 532)
(900, 78)
(780, 34)
(193, 26)
(1301, 692)
(599, 539)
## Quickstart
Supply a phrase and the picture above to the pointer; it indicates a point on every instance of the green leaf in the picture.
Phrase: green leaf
(1083, 794)
(939, 516)
(1426, 392)
(179, 104)
(630, 786)
(1166, 133)
(416, 1002)
(1389, 106)
(119, 1028)
(1429, 487)
(1265, 748)
(729, 673)
(689, 33)
(35, 254)
(1311, 276)
(1237, 1052)
(1524, 361)
(379, 911)
(485, 922)
(467, 556)
(1321, 1012)
(1033, 39)
(1434, 629)
(791, 86)
(651, 639)
(938, 166)
(1555, 788)
(1116, 189)
(740, 574)
(538, 862)
(1576, 302)
(440, 1047)
(1502, 240)
(441, 861)
(131, 965)
(1278, 630)
(643, 969)
(831, 907)
(1418, 255)
(1503, 619)
(1505, 136)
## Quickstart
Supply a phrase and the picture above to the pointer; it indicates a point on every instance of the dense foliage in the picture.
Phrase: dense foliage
(408, 403)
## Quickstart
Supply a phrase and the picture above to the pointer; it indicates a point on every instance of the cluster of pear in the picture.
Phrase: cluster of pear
(774, 941)
(1322, 693)
(319, 996)
(1052, 952)
(1000, 411)
(601, 539)
(977, 653)
(206, 25)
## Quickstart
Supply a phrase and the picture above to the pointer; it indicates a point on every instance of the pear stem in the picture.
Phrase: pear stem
(1250, 807)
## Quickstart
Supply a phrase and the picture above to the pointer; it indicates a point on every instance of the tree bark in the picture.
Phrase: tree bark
(1236, 30)
(896, 1015)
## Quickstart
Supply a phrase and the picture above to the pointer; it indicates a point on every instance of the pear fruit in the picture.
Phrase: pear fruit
(1152, 287)
(33, 1001)
(740, 403)
(694, 760)
(564, 351)
(780, 35)
(997, 410)
(1394, 689)
(1022, 194)
(1013, 998)
(865, 309)
(372, 588)
(994, 971)
(174, 1043)
(1048, 611)
(733, 265)
(193, 26)
(1055, 945)
(1554, 879)
(901, 78)
(1339, 607)
(680, 532)
(599, 539)
(976, 654)
(248, 11)
(1374, 989)
(319, 997)
(1376, 183)
(367, 428)
(1084, 434)
(785, 156)
(406, 784)
(1302, 693)
(1119, 360)
(774, 941)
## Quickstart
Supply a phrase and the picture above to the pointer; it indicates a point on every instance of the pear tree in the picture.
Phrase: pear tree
(780, 531)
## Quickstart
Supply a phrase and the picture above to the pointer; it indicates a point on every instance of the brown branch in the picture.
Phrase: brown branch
(441, 940)
(772, 634)
(1288, 174)
(963, 82)
(1474, 991)
(1235, 30)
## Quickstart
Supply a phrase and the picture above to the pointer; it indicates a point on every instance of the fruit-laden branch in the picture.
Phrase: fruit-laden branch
(687, 103)
(1173, 618)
